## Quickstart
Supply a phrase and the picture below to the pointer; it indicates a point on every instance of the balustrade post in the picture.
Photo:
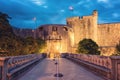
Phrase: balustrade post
(115, 67)
(4, 69)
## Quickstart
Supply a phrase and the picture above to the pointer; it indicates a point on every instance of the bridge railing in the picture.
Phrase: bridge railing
(107, 67)
(12, 67)
(103, 61)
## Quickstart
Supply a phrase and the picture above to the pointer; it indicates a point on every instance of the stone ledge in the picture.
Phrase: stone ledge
(98, 70)
(21, 70)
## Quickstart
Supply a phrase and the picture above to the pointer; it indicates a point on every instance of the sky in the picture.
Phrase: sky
(33, 13)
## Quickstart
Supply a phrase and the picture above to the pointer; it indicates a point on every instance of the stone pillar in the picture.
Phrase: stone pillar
(4, 69)
(115, 69)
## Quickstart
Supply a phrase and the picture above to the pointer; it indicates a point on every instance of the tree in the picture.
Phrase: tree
(9, 42)
(29, 45)
(117, 49)
(34, 45)
(41, 45)
(4, 18)
(88, 46)
(13, 45)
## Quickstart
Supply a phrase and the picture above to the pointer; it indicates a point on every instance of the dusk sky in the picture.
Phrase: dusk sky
(56, 11)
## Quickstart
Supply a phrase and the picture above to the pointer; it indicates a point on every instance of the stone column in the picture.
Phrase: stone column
(4, 69)
(115, 69)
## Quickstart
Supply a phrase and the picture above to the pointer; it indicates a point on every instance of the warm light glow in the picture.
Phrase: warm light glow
(71, 34)
(57, 47)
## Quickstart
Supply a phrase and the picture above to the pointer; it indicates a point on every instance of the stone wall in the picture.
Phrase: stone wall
(108, 34)
(58, 37)
(78, 28)
(84, 27)
(24, 32)
(107, 50)
(105, 35)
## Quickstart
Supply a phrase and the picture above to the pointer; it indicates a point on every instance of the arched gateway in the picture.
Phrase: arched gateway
(57, 38)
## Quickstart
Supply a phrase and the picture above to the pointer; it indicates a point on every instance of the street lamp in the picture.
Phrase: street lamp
(58, 74)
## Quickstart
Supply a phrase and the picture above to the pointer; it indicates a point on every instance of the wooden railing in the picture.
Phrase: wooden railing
(107, 67)
(12, 67)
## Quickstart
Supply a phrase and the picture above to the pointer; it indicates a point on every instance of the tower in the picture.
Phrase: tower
(95, 20)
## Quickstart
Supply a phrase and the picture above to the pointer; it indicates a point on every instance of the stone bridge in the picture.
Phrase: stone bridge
(69, 67)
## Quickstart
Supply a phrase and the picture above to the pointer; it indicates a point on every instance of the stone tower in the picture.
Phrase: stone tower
(84, 27)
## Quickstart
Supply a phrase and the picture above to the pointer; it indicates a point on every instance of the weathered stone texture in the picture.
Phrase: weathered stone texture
(24, 32)
(105, 35)
(108, 34)
(84, 27)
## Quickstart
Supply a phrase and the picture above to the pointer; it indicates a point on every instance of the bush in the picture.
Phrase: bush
(88, 46)
(117, 49)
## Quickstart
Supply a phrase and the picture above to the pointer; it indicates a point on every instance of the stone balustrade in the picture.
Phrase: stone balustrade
(12, 67)
(103, 61)
(107, 67)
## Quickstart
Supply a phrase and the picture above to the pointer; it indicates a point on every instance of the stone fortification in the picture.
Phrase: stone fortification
(105, 35)
(78, 28)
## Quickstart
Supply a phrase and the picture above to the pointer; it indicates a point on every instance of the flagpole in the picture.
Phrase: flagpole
(34, 19)
(71, 9)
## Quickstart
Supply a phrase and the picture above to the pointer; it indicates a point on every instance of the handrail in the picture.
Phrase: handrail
(11, 67)
(106, 66)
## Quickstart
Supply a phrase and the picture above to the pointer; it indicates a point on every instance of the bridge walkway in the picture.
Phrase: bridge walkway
(46, 69)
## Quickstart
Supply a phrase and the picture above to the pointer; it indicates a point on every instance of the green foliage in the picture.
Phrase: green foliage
(4, 18)
(88, 46)
(33, 45)
(117, 49)
(41, 45)
(12, 45)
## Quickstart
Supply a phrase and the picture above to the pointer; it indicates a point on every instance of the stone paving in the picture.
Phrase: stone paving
(46, 69)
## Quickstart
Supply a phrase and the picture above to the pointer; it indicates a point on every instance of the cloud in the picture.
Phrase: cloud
(45, 6)
(52, 11)
(104, 1)
(115, 15)
(38, 2)
(62, 10)
(80, 2)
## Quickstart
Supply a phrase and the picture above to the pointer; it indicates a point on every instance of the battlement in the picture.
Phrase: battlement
(73, 18)
(78, 18)
(95, 13)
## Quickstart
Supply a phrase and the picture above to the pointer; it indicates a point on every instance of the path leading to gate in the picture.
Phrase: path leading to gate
(46, 69)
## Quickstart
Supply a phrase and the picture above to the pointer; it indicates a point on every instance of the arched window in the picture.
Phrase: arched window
(65, 29)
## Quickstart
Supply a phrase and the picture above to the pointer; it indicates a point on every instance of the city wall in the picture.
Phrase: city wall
(105, 35)
(77, 28)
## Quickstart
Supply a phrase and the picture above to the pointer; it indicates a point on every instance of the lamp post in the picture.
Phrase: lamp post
(58, 74)
(34, 19)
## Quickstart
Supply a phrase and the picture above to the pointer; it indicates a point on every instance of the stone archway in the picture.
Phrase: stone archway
(54, 48)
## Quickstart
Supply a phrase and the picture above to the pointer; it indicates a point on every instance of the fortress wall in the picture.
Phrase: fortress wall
(108, 37)
(82, 27)
(47, 31)
(24, 32)
(108, 34)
